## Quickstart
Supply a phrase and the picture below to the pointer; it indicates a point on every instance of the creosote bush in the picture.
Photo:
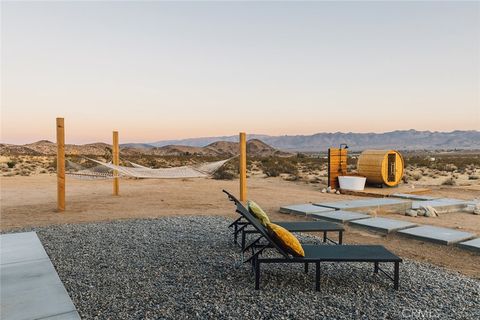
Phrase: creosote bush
(449, 182)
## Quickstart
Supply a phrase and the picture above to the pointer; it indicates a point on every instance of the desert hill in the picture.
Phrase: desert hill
(12, 149)
(255, 147)
(45, 147)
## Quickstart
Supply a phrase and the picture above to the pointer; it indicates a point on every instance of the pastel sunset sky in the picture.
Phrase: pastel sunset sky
(167, 70)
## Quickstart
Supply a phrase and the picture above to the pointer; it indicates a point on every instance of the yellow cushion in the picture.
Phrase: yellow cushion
(258, 212)
(286, 240)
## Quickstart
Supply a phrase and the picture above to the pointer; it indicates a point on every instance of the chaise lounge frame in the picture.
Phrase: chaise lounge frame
(317, 254)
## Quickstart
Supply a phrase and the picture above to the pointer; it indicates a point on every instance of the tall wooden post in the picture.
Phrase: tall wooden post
(116, 161)
(243, 167)
(60, 164)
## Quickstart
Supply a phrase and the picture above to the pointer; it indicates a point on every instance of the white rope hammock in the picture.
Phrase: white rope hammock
(108, 170)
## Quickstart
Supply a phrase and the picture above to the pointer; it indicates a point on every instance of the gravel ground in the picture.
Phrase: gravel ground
(184, 268)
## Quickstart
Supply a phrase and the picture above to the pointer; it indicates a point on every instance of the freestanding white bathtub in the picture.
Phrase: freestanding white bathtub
(352, 183)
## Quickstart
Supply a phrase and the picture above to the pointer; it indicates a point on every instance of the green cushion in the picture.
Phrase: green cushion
(258, 213)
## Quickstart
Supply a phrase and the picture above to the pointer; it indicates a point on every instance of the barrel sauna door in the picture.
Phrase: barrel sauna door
(391, 167)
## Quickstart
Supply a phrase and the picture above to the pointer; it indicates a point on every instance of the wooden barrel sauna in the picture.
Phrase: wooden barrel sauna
(383, 167)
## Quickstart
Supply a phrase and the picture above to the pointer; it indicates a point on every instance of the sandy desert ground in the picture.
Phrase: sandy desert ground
(31, 201)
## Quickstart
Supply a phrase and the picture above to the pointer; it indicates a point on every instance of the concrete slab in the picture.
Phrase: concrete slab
(389, 204)
(340, 216)
(304, 209)
(21, 247)
(383, 225)
(473, 245)
(30, 286)
(437, 234)
(442, 204)
(410, 196)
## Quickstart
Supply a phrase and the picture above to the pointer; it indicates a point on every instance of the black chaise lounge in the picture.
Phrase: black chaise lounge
(240, 226)
(316, 254)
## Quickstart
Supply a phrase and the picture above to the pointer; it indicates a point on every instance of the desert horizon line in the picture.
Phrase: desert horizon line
(248, 134)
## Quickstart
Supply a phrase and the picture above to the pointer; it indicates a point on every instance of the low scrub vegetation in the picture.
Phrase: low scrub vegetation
(420, 167)
(274, 166)
(449, 182)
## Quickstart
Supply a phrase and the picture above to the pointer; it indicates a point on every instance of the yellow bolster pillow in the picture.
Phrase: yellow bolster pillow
(286, 240)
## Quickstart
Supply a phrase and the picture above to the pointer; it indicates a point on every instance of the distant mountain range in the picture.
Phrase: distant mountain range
(400, 140)
(264, 145)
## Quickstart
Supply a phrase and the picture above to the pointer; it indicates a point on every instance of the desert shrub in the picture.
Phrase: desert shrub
(450, 167)
(473, 177)
(315, 180)
(292, 177)
(11, 164)
(271, 171)
(108, 154)
(274, 166)
(24, 173)
(224, 174)
(53, 164)
(229, 170)
(417, 176)
(151, 163)
(449, 182)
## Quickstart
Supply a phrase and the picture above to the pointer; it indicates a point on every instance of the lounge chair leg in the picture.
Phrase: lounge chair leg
(306, 267)
(396, 276)
(324, 236)
(375, 269)
(317, 276)
(243, 240)
(340, 237)
(235, 227)
(257, 274)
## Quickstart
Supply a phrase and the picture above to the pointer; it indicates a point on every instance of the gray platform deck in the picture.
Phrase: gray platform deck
(442, 204)
(473, 245)
(437, 234)
(413, 196)
(30, 286)
(340, 216)
(304, 209)
(373, 203)
(383, 225)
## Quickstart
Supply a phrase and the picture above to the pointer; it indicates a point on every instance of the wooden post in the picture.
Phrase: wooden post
(243, 167)
(60, 164)
(115, 161)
